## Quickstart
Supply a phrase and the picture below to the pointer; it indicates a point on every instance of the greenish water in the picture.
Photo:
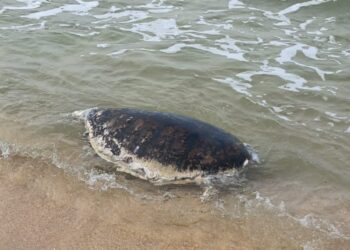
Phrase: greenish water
(274, 73)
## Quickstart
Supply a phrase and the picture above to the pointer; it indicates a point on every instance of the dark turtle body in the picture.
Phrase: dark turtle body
(175, 141)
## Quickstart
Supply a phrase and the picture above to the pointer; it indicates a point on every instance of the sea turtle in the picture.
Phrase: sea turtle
(163, 147)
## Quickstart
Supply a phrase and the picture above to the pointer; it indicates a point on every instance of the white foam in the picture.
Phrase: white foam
(131, 15)
(174, 48)
(308, 221)
(235, 4)
(4, 150)
(102, 45)
(119, 52)
(277, 43)
(346, 52)
(294, 83)
(321, 73)
(160, 29)
(281, 116)
(225, 26)
(27, 27)
(314, 222)
(283, 20)
(277, 109)
(295, 7)
(238, 86)
(229, 44)
(330, 19)
(289, 32)
(30, 4)
(221, 52)
(157, 7)
(310, 245)
(103, 181)
(335, 117)
(230, 55)
(93, 33)
(79, 9)
(281, 16)
(306, 23)
(317, 32)
(123, 51)
(287, 54)
(332, 40)
(202, 33)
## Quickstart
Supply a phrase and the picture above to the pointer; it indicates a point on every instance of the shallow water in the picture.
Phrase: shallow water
(274, 73)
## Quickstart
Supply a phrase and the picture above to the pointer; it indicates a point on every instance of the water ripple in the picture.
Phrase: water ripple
(78, 9)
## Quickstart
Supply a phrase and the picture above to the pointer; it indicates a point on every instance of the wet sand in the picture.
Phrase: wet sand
(43, 208)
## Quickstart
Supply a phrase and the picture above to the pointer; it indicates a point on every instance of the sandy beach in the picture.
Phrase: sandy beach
(43, 208)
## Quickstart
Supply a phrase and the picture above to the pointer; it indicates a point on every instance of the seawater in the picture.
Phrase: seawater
(274, 73)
